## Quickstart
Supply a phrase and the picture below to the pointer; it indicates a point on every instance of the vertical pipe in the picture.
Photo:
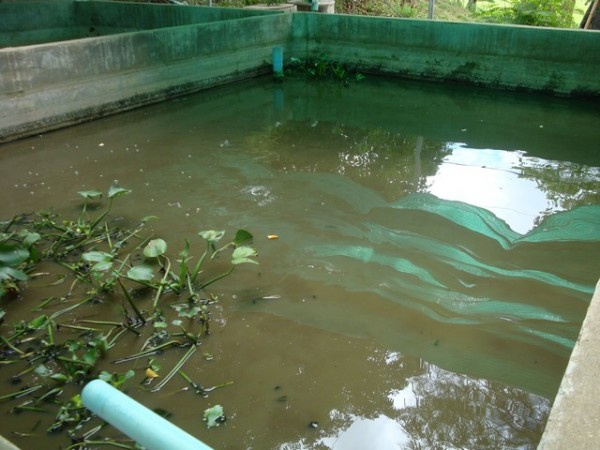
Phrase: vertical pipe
(430, 12)
(135, 420)
(277, 62)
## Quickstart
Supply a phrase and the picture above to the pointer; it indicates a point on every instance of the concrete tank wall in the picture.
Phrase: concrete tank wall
(46, 86)
(181, 49)
(556, 61)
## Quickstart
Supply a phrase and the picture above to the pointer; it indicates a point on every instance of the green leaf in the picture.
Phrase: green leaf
(103, 260)
(141, 273)
(185, 252)
(105, 376)
(6, 273)
(38, 322)
(102, 266)
(214, 416)
(242, 237)
(242, 255)
(149, 218)
(76, 401)
(115, 191)
(91, 195)
(95, 256)
(29, 238)
(11, 255)
(59, 377)
(42, 370)
(211, 236)
(155, 248)
(91, 356)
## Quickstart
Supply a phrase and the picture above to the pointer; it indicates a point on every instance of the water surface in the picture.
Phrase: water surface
(437, 252)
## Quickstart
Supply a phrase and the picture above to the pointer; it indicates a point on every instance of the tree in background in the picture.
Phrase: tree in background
(545, 13)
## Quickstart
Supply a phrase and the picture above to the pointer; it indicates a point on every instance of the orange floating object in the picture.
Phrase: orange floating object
(272, 236)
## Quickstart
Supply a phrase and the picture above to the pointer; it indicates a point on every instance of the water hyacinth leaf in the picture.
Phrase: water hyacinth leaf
(242, 255)
(91, 195)
(149, 218)
(105, 376)
(141, 273)
(95, 256)
(42, 370)
(214, 416)
(185, 252)
(103, 260)
(6, 273)
(38, 322)
(155, 248)
(102, 266)
(91, 356)
(115, 191)
(11, 255)
(29, 238)
(59, 377)
(242, 237)
(211, 236)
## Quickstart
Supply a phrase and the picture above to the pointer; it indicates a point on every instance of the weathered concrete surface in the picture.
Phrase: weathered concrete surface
(555, 61)
(574, 421)
(41, 22)
(43, 87)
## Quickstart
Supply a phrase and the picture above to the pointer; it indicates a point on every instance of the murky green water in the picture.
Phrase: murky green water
(437, 251)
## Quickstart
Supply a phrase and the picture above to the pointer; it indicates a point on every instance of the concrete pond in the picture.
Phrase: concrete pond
(70, 62)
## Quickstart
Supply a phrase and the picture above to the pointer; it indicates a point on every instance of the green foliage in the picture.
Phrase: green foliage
(321, 68)
(547, 13)
(59, 356)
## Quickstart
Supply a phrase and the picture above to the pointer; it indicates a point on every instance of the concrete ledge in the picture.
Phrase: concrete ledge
(325, 6)
(574, 420)
(284, 7)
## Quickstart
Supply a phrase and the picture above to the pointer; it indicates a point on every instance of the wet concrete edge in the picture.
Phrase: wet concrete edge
(574, 420)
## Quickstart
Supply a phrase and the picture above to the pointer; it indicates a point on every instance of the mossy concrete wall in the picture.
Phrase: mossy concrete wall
(30, 22)
(524, 58)
(46, 86)
(147, 53)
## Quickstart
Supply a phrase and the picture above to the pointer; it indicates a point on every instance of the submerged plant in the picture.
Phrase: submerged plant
(161, 298)
(322, 68)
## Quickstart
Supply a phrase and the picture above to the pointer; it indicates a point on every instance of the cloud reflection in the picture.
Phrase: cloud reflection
(488, 179)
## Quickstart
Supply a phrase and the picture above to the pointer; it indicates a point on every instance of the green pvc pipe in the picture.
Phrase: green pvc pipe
(135, 420)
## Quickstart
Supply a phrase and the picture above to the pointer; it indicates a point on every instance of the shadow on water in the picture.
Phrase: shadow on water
(437, 252)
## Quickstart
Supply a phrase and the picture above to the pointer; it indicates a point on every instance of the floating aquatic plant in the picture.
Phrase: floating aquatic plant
(58, 349)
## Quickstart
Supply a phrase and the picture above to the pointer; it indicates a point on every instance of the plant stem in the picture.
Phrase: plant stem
(131, 302)
(217, 278)
(22, 393)
(150, 351)
(175, 369)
